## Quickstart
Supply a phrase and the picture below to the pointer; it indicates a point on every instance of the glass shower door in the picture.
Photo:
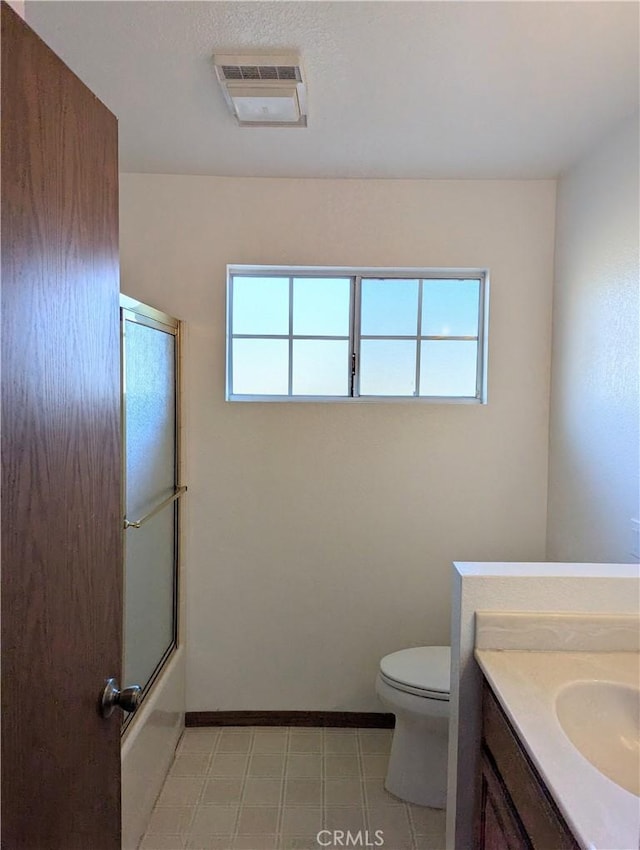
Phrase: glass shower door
(150, 454)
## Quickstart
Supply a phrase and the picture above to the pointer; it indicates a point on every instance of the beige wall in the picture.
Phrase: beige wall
(18, 6)
(594, 439)
(320, 537)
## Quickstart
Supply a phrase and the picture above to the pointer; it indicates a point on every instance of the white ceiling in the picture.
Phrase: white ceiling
(396, 89)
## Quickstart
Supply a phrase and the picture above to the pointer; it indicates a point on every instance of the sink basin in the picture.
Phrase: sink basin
(602, 720)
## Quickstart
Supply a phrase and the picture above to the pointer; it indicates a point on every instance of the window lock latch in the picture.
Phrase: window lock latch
(353, 373)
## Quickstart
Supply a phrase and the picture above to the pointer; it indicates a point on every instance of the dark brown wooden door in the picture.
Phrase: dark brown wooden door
(61, 523)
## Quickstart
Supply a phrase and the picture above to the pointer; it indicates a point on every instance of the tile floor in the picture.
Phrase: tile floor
(275, 788)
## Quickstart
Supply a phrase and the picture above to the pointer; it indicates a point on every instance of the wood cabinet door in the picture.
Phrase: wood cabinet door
(61, 514)
(499, 826)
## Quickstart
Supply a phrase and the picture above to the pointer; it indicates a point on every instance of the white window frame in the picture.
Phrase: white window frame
(357, 275)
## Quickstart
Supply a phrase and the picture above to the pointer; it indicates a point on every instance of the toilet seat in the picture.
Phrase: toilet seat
(423, 671)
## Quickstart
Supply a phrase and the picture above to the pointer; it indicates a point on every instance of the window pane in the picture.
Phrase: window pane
(387, 367)
(320, 367)
(389, 308)
(450, 307)
(448, 368)
(260, 367)
(260, 305)
(321, 306)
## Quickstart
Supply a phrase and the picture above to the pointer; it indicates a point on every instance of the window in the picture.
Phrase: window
(327, 334)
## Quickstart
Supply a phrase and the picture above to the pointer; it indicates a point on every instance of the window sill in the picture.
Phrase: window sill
(358, 400)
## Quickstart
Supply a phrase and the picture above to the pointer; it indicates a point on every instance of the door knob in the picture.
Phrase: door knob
(128, 699)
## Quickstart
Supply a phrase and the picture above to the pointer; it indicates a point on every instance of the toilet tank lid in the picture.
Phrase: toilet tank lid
(425, 667)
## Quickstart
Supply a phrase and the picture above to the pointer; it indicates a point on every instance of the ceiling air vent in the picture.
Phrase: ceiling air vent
(262, 72)
(265, 90)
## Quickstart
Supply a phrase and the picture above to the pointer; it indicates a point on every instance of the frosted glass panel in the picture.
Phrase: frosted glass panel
(320, 367)
(150, 416)
(260, 366)
(450, 307)
(260, 305)
(448, 368)
(148, 598)
(150, 471)
(389, 308)
(387, 367)
(321, 306)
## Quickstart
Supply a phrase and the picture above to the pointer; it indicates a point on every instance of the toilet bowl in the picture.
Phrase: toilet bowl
(414, 684)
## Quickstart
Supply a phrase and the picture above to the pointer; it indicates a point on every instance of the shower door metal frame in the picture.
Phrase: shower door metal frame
(132, 310)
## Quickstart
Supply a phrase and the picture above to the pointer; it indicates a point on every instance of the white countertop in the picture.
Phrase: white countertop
(601, 814)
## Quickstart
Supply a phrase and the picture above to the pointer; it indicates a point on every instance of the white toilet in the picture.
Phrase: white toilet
(414, 684)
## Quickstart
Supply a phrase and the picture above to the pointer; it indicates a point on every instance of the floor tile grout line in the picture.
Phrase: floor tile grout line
(363, 802)
(412, 830)
(214, 750)
(283, 784)
(187, 832)
(365, 793)
(323, 777)
(243, 786)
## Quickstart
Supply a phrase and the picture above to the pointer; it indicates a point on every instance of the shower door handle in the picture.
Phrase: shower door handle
(128, 699)
(180, 491)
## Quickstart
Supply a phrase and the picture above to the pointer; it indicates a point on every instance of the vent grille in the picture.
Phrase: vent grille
(262, 72)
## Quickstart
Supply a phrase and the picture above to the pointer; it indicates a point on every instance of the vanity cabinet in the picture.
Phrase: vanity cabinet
(516, 810)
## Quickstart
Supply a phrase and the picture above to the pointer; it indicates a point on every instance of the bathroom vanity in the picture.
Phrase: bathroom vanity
(559, 645)
(516, 810)
(559, 761)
